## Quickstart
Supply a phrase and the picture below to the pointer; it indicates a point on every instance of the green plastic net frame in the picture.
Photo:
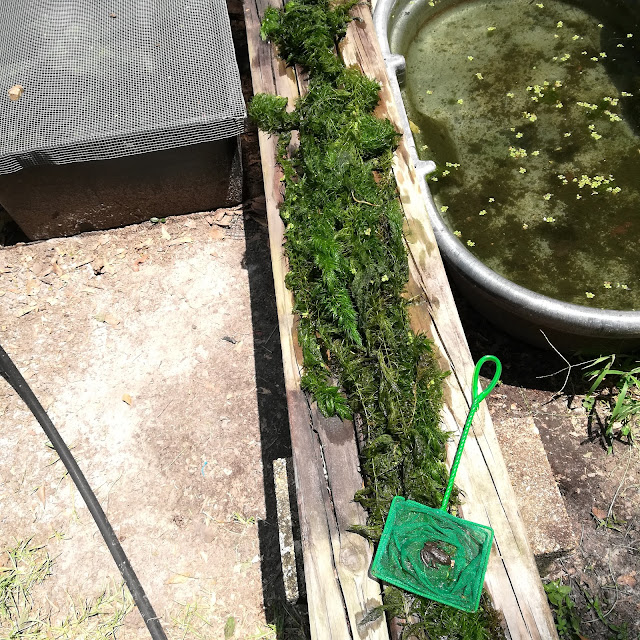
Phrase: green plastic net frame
(411, 527)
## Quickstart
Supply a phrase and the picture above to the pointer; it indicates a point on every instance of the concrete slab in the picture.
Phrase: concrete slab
(539, 501)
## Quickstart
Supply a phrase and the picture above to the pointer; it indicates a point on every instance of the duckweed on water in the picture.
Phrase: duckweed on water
(551, 132)
(348, 270)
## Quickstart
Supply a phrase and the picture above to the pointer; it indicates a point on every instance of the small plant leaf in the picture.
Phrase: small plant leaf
(620, 402)
(229, 628)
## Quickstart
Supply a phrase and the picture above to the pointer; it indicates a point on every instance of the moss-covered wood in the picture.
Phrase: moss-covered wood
(348, 272)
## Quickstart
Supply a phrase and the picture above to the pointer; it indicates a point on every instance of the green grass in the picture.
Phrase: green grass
(28, 566)
(192, 621)
(613, 399)
(197, 620)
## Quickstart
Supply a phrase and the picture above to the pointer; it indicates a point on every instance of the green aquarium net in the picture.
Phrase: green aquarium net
(408, 557)
(430, 552)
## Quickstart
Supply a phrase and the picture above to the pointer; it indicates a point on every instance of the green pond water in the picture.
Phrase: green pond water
(530, 112)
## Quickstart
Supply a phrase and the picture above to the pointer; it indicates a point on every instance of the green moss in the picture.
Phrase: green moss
(348, 270)
(305, 32)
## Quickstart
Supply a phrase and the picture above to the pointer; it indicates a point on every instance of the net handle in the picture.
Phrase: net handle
(477, 396)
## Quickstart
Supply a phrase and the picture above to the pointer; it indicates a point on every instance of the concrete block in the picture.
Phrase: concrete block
(539, 501)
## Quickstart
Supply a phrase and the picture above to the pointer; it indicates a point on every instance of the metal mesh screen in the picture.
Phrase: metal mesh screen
(110, 78)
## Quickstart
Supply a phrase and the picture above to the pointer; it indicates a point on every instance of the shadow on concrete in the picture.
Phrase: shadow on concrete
(274, 433)
(290, 619)
(523, 364)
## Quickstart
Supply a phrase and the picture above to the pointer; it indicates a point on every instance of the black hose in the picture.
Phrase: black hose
(10, 373)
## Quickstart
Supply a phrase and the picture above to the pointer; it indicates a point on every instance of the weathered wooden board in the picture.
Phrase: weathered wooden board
(336, 562)
(512, 578)
(325, 453)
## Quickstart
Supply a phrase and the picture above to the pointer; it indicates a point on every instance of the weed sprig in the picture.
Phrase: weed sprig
(29, 565)
(348, 270)
(616, 389)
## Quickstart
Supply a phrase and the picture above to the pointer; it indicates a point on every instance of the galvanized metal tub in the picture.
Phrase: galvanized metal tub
(528, 315)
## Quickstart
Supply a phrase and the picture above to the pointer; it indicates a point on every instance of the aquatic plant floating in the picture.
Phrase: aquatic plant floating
(431, 552)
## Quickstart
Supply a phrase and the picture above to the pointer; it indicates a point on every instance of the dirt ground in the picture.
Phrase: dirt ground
(606, 561)
(155, 350)
(148, 347)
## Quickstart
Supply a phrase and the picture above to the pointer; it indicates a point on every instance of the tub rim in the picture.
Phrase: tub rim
(563, 316)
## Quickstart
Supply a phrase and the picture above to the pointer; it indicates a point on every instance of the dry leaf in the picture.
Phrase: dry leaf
(127, 398)
(181, 240)
(39, 269)
(98, 266)
(601, 514)
(138, 261)
(627, 580)
(165, 234)
(25, 310)
(15, 93)
(110, 319)
(41, 493)
(223, 219)
(216, 233)
(178, 578)
(56, 267)
(32, 287)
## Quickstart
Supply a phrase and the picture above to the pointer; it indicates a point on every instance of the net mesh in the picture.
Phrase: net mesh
(110, 78)
(410, 527)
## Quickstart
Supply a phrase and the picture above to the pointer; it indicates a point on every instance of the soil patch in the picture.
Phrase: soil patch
(141, 345)
(594, 484)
